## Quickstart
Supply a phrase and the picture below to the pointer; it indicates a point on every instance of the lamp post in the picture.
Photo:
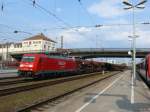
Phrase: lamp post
(130, 52)
(3, 55)
(62, 42)
(133, 7)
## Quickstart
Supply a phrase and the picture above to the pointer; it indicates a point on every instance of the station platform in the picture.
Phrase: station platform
(8, 73)
(115, 94)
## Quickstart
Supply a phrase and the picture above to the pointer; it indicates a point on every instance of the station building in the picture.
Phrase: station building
(37, 43)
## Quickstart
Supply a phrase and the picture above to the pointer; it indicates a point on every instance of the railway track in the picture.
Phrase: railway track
(23, 96)
(34, 105)
(19, 86)
(5, 78)
(13, 80)
(6, 81)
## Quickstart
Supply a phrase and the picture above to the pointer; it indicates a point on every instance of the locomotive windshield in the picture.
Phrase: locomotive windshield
(28, 59)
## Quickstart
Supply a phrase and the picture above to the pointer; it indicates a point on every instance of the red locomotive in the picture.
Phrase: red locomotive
(41, 64)
(144, 68)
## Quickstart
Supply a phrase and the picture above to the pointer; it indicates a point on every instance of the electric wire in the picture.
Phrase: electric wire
(55, 16)
(85, 10)
(7, 26)
(49, 12)
(4, 4)
(75, 28)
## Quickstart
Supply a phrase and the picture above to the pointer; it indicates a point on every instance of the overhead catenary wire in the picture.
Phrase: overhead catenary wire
(34, 3)
(6, 26)
(68, 26)
(50, 13)
(85, 10)
(5, 3)
(53, 15)
(55, 3)
(2, 5)
(77, 27)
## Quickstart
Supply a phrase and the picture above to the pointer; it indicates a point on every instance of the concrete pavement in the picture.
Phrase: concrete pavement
(8, 73)
(111, 95)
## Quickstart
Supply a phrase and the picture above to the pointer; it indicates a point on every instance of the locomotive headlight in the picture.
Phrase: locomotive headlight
(30, 65)
(21, 65)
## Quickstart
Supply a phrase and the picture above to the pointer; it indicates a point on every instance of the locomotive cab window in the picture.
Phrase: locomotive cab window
(28, 59)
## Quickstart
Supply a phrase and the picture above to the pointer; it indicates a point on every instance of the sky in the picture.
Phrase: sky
(75, 20)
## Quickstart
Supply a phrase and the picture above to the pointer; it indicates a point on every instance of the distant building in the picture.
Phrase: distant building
(33, 44)
(38, 43)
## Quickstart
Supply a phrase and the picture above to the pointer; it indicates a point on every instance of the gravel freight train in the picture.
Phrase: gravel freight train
(144, 68)
(42, 65)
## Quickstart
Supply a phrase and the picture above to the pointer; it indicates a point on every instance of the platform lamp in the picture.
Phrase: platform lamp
(129, 5)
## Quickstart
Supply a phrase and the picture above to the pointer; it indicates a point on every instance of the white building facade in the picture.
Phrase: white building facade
(37, 43)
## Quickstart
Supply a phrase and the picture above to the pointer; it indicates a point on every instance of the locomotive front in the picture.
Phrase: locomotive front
(27, 65)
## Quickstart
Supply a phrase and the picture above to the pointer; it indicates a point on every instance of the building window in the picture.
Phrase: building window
(25, 42)
(30, 43)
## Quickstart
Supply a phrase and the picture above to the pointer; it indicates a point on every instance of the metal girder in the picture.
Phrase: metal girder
(96, 53)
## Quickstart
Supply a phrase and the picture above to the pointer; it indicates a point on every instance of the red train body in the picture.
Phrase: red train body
(144, 68)
(39, 64)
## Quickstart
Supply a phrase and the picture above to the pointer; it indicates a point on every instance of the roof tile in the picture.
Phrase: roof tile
(40, 37)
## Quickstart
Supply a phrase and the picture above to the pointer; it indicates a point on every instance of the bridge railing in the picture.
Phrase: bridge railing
(107, 49)
(84, 50)
(31, 51)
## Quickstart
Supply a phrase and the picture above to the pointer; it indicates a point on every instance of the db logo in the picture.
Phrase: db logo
(61, 63)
